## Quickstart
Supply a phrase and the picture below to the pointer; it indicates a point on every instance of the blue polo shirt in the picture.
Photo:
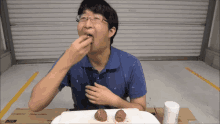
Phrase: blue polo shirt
(123, 75)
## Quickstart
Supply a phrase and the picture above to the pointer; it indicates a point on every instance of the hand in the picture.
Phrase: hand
(78, 49)
(101, 95)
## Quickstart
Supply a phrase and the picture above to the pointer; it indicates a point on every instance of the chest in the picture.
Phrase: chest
(113, 80)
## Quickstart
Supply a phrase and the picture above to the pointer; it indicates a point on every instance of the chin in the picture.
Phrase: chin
(92, 51)
(95, 50)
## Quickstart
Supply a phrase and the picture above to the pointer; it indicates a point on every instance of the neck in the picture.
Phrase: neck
(100, 59)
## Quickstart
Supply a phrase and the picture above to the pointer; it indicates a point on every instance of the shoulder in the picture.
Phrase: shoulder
(77, 67)
(126, 58)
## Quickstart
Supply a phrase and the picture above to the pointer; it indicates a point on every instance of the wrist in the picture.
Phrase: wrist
(121, 103)
(68, 59)
(116, 101)
(64, 63)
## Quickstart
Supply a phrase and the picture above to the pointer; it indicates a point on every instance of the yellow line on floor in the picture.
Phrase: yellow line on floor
(207, 81)
(15, 98)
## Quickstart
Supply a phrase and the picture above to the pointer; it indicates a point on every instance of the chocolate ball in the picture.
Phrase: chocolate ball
(120, 116)
(101, 115)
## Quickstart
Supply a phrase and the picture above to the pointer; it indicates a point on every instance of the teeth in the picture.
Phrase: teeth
(89, 35)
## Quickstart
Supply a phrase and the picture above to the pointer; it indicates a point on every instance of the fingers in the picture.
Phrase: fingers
(92, 101)
(86, 49)
(92, 88)
(81, 39)
(97, 85)
(91, 93)
(86, 43)
(82, 44)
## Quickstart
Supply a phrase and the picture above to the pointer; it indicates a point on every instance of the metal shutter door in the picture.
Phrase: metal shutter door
(43, 29)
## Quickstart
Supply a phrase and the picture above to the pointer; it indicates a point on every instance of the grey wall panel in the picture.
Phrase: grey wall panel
(119, 10)
(125, 36)
(64, 15)
(127, 50)
(114, 5)
(145, 56)
(53, 47)
(125, 20)
(43, 29)
(152, 2)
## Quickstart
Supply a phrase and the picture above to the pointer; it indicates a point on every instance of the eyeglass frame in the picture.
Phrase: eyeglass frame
(87, 18)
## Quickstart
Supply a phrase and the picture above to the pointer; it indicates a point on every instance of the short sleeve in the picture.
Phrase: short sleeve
(65, 81)
(137, 85)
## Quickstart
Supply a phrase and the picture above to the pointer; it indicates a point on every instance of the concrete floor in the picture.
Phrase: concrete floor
(166, 80)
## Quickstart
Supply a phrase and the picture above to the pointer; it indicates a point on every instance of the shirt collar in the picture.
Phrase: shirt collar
(112, 63)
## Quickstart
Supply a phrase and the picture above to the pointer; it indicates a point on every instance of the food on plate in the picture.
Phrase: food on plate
(120, 116)
(101, 115)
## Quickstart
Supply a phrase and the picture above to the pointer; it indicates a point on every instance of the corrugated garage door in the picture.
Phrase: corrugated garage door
(44, 29)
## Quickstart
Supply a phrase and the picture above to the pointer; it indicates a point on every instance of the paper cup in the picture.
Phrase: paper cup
(171, 112)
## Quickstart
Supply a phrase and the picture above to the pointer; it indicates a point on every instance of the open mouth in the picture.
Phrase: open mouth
(91, 36)
(88, 34)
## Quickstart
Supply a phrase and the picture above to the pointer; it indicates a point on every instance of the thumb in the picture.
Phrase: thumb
(96, 84)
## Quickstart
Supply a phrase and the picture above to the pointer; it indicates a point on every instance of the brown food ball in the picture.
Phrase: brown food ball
(101, 115)
(120, 116)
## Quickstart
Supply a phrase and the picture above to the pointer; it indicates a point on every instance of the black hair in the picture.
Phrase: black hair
(103, 8)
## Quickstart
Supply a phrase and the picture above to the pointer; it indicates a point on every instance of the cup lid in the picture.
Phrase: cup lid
(172, 104)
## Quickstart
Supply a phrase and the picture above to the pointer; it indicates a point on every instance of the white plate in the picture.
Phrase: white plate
(56, 120)
(87, 116)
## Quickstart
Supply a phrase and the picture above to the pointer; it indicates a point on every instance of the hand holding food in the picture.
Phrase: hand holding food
(78, 49)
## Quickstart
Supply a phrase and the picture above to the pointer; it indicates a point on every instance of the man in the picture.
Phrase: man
(100, 76)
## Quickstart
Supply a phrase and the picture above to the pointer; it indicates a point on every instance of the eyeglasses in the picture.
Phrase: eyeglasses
(96, 19)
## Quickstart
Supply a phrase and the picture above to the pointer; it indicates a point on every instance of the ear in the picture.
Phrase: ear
(111, 32)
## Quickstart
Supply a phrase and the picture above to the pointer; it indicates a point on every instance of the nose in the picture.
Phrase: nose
(88, 23)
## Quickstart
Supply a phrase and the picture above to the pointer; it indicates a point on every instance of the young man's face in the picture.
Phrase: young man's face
(99, 31)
